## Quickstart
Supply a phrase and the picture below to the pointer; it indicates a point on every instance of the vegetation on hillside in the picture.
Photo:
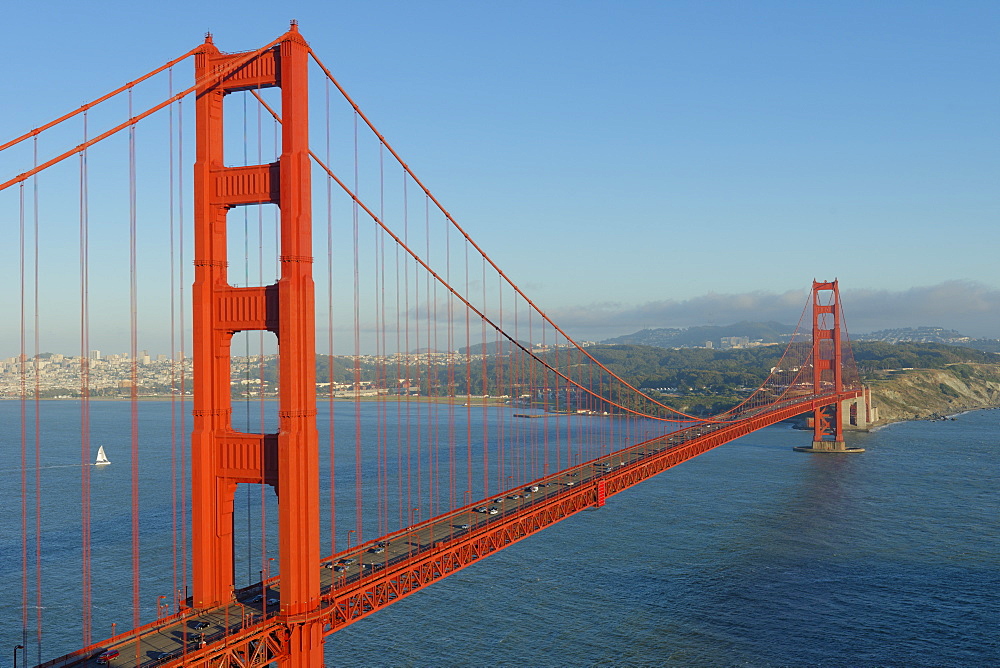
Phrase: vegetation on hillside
(670, 337)
(699, 380)
(875, 356)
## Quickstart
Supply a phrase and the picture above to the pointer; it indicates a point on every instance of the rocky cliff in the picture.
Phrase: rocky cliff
(911, 394)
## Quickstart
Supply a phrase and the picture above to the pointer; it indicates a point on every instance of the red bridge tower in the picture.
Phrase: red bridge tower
(222, 457)
(828, 421)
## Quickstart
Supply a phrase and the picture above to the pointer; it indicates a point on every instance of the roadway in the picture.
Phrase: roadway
(186, 632)
(173, 636)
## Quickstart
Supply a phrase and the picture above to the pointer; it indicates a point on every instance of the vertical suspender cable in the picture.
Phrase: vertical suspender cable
(85, 616)
(555, 444)
(38, 428)
(468, 382)
(261, 363)
(418, 369)
(486, 390)
(383, 352)
(329, 334)
(427, 422)
(516, 390)
(23, 392)
(502, 475)
(380, 424)
(451, 375)
(179, 356)
(173, 348)
(400, 387)
(134, 350)
(406, 345)
(358, 500)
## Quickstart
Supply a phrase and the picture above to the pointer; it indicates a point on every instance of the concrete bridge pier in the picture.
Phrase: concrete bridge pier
(858, 413)
(852, 414)
(827, 447)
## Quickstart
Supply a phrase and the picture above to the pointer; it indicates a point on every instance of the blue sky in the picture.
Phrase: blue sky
(640, 164)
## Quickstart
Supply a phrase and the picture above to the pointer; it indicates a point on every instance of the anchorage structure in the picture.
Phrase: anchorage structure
(223, 457)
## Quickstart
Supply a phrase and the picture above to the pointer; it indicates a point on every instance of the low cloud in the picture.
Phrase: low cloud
(971, 308)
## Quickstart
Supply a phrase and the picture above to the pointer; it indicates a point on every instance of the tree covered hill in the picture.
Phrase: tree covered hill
(670, 337)
(705, 368)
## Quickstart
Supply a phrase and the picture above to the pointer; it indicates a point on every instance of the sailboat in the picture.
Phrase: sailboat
(101, 457)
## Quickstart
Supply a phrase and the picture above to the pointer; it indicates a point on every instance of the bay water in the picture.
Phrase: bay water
(750, 555)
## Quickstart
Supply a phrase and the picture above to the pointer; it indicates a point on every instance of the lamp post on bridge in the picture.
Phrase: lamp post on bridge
(159, 604)
(17, 647)
(413, 534)
(349, 532)
(265, 575)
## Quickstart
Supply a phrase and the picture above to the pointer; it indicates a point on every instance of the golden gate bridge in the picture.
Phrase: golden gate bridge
(486, 422)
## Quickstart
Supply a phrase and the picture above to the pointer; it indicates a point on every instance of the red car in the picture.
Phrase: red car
(105, 657)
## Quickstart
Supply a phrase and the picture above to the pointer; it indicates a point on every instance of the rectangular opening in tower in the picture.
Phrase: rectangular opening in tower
(253, 136)
(825, 297)
(254, 382)
(252, 245)
(255, 537)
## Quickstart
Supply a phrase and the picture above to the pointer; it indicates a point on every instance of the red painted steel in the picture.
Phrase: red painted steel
(222, 457)
(264, 640)
(93, 103)
(827, 359)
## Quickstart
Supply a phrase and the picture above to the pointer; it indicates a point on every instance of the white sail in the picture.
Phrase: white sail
(101, 457)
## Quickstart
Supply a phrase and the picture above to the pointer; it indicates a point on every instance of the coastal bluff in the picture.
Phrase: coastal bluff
(918, 394)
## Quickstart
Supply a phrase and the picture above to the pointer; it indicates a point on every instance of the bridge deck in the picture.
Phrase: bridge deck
(360, 581)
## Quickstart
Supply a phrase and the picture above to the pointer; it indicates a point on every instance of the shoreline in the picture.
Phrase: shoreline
(932, 417)
(927, 415)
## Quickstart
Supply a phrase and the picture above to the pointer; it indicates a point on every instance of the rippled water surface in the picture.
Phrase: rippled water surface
(750, 555)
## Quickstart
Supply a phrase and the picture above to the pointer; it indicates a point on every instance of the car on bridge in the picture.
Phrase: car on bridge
(105, 657)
